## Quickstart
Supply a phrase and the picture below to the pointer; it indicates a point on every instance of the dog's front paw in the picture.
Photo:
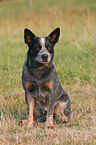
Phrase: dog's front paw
(30, 125)
(49, 126)
(49, 122)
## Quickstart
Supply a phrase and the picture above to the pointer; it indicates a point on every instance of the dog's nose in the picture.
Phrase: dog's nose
(44, 56)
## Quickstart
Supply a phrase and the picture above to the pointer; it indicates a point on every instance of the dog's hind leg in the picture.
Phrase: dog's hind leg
(62, 112)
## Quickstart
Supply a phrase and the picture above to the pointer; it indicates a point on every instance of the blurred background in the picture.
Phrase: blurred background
(77, 45)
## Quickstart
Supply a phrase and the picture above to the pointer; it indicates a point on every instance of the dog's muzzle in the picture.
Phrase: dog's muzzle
(44, 57)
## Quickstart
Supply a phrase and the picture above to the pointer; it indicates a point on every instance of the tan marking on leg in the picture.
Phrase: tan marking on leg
(29, 84)
(30, 116)
(65, 118)
(59, 112)
(57, 109)
(49, 121)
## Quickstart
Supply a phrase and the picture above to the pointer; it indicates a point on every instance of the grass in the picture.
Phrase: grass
(75, 59)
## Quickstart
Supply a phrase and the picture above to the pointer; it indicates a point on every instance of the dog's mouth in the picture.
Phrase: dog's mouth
(41, 62)
(44, 61)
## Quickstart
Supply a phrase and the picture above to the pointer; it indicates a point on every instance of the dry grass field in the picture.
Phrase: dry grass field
(75, 59)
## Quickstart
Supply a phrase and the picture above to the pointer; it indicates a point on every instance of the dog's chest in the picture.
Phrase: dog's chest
(39, 90)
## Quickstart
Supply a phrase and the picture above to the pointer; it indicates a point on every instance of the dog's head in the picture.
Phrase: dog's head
(41, 48)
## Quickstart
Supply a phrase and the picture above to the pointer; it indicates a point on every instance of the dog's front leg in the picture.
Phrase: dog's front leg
(30, 108)
(50, 108)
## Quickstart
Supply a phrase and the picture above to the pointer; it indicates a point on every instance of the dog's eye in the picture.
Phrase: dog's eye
(38, 47)
(48, 47)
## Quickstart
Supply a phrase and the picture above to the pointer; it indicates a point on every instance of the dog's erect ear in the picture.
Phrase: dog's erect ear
(54, 35)
(28, 36)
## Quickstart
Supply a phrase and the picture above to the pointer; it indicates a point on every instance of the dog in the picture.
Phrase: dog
(45, 98)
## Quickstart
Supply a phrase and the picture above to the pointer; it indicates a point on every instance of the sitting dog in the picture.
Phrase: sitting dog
(44, 95)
